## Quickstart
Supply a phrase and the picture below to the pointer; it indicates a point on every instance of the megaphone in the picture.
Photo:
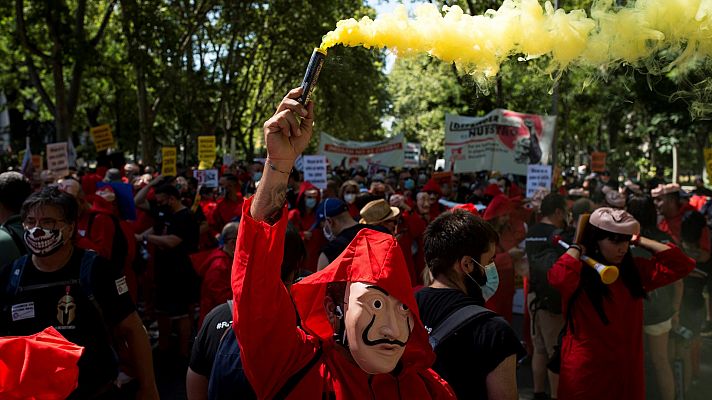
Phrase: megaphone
(608, 273)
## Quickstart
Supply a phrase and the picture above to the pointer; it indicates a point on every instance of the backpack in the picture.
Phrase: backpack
(19, 242)
(228, 380)
(540, 262)
(457, 320)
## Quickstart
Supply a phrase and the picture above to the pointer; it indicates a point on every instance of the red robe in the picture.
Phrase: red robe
(215, 288)
(673, 226)
(606, 361)
(273, 347)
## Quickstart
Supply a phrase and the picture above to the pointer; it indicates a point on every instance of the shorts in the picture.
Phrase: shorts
(659, 328)
(545, 328)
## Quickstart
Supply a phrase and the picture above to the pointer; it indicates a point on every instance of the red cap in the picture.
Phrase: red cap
(499, 206)
(492, 190)
(467, 207)
(432, 187)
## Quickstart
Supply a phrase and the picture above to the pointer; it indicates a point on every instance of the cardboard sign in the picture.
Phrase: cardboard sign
(411, 158)
(315, 170)
(350, 154)
(502, 140)
(102, 137)
(538, 176)
(168, 161)
(206, 151)
(58, 159)
(708, 162)
(207, 177)
(598, 161)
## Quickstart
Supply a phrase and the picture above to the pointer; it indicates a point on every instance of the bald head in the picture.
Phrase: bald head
(229, 237)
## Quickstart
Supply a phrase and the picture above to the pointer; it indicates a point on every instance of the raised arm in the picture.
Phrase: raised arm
(668, 264)
(565, 274)
(272, 346)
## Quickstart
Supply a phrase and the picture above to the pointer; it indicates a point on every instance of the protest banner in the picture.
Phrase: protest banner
(168, 161)
(206, 151)
(350, 154)
(503, 140)
(315, 170)
(411, 157)
(538, 176)
(58, 159)
(207, 177)
(442, 177)
(708, 163)
(598, 161)
(102, 137)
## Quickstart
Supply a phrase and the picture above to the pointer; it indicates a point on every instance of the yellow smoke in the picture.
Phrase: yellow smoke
(657, 34)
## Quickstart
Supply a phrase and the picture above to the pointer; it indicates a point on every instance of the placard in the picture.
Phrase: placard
(168, 161)
(411, 157)
(58, 159)
(538, 176)
(502, 140)
(102, 137)
(350, 154)
(708, 163)
(315, 170)
(206, 151)
(598, 161)
(207, 178)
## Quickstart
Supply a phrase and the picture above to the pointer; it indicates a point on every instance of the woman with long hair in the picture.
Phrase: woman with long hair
(602, 350)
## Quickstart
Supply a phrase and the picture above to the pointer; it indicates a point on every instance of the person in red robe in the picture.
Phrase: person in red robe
(602, 351)
(229, 207)
(215, 271)
(360, 334)
(303, 217)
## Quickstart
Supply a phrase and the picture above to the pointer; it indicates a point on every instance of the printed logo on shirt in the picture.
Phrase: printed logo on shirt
(121, 286)
(23, 311)
(223, 325)
(66, 308)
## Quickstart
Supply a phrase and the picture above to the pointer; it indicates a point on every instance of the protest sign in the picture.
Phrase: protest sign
(58, 159)
(598, 161)
(206, 151)
(503, 140)
(315, 170)
(37, 162)
(538, 176)
(207, 177)
(102, 137)
(412, 155)
(168, 161)
(349, 154)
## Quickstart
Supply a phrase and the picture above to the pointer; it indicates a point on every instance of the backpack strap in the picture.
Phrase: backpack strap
(457, 320)
(16, 271)
(298, 376)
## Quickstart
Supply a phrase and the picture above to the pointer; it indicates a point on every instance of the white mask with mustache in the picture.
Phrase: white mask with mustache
(43, 242)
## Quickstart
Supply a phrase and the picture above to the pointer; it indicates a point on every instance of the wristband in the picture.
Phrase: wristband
(273, 168)
(576, 247)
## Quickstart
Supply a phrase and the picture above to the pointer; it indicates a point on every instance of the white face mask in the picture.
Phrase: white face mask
(43, 242)
(492, 282)
(350, 197)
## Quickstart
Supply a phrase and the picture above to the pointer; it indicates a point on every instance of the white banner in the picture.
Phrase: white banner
(58, 159)
(315, 170)
(207, 177)
(412, 155)
(388, 152)
(538, 176)
(503, 140)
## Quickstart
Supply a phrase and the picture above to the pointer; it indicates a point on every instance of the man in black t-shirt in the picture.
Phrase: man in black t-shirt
(544, 302)
(176, 282)
(83, 296)
(479, 360)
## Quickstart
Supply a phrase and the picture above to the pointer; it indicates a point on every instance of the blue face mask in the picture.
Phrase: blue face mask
(257, 176)
(492, 280)
(409, 184)
(310, 202)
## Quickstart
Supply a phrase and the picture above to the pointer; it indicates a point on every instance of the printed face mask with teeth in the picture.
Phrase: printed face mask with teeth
(43, 242)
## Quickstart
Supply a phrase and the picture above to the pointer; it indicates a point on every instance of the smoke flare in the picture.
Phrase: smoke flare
(655, 34)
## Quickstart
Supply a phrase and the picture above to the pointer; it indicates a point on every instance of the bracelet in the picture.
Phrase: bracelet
(273, 168)
(576, 247)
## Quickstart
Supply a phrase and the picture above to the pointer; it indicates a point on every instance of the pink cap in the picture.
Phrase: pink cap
(665, 189)
(616, 221)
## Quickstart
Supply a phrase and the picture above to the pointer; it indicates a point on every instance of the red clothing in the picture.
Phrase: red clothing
(39, 366)
(416, 229)
(503, 298)
(673, 226)
(606, 361)
(354, 211)
(227, 210)
(273, 347)
(215, 288)
(101, 236)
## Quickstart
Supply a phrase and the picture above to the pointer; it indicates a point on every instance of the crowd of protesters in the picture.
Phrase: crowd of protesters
(462, 242)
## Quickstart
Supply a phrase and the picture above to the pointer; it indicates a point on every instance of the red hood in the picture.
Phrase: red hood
(432, 187)
(99, 205)
(306, 185)
(203, 259)
(371, 257)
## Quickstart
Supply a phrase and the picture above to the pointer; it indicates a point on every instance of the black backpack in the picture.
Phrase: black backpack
(19, 242)
(457, 320)
(228, 380)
